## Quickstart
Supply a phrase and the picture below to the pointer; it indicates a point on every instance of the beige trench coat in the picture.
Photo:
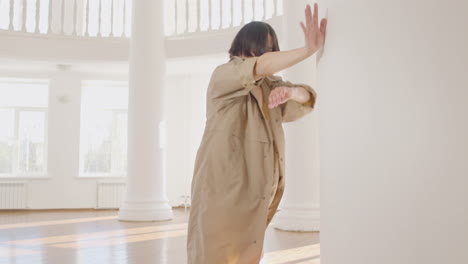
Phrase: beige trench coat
(238, 180)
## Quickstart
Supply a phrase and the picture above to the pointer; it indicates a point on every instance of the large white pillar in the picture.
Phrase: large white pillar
(393, 86)
(146, 191)
(300, 207)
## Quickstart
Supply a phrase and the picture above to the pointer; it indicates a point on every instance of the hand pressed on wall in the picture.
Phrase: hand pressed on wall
(314, 34)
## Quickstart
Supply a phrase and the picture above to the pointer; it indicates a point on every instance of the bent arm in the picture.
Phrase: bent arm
(300, 95)
(294, 109)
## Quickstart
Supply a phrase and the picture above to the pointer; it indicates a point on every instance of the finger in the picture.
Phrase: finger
(272, 98)
(283, 101)
(323, 26)
(275, 103)
(287, 94)
(284, 98)
(308, 15)
(303, 27)
(284, 92)
(277, 98)
(315, 14)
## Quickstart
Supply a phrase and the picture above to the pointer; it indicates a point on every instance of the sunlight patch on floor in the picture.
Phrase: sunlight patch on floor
(121, 240)
(299, 255)
(57, 222)
(96, 235)
(15, 252)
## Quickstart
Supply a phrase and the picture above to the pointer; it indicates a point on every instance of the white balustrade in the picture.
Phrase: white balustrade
(110, 18)
(62, 23)
(24, 15)
(38, 8)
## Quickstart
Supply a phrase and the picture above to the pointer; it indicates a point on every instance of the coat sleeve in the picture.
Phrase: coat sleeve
(246, 73)
(235, 79)
(292, 110)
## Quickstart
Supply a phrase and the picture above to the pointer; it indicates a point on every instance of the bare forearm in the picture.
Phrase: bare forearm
(300, 95)
(273, 62)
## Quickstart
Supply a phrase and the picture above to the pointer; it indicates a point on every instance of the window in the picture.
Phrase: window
(103, 132)
(23, 119)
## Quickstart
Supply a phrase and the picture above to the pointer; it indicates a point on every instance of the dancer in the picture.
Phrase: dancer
(238, 180)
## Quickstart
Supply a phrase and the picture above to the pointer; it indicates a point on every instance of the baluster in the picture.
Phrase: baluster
(176, 8)
(264, 9)
(38, 7)
(112, 20)
(232, 13)
(75, 10)
(198, 15)
(124, 25)
(244, 7)
(221, 14)
(253, 10)
(210, 26)
(63, 17)
(186, 16)
(99, 18)
(12, 12)
(25, 14)
(276, 7)
(87, 18)
(49, 22)
(242, 12)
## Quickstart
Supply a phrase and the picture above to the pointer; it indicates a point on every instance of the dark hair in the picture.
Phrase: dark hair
(253, 37)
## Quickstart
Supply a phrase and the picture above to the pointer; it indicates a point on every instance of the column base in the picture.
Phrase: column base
(297, 219)
(145, 211)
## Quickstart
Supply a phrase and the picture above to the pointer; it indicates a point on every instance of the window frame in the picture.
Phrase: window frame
(115, 112)
(15, 162)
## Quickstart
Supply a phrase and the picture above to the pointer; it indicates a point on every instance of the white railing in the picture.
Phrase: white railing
(112, 18)
(191, 16)
(97, 18)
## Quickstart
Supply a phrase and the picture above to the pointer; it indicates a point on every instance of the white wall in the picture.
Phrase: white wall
(61, 188)
(394, 148)
(185, 100)
(184, 110)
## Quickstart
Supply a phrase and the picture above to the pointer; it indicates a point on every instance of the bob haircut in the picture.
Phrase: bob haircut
(253, 38)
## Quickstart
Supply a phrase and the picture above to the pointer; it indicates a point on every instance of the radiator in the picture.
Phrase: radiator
(13, 195)
(110, 194)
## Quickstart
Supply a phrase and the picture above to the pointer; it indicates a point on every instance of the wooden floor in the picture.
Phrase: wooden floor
(96, 236)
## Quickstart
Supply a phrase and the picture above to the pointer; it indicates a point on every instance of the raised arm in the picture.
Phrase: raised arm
(314, 35)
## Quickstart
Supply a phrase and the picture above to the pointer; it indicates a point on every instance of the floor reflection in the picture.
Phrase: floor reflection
(96, 235)
(57, 222)
(121, 240)
(104, 239)
(305, 254)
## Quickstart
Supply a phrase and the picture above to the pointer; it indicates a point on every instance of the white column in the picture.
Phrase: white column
(146, 191)
(393, 88)
(300, 207)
